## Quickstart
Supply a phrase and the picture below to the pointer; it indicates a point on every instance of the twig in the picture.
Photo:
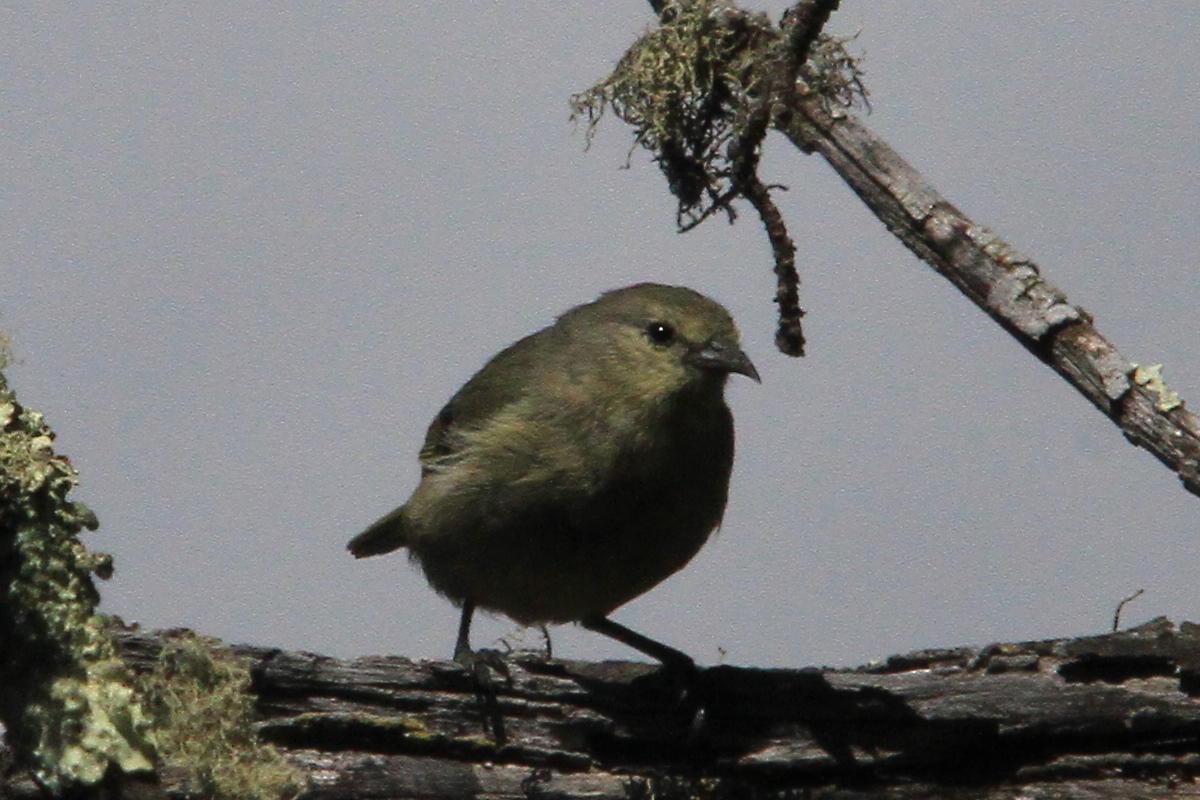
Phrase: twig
(1121, 607)
(802, 25)
(789, 337)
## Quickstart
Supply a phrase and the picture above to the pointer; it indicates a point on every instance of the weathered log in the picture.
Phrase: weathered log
(1105, 716)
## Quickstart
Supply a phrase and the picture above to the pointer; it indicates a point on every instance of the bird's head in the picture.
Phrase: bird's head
(660, 340)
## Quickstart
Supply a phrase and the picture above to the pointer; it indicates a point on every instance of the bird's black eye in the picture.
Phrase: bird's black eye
(660, 332)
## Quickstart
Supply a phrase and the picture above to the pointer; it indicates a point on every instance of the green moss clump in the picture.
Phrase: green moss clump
(204, 721)
(65, 696)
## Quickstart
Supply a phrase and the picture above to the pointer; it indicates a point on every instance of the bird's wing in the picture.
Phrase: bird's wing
(502, 381)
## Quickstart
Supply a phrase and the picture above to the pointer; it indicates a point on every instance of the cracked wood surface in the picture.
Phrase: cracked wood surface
(1105, 716)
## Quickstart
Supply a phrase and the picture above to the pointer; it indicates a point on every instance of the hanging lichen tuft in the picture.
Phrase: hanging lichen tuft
(687, 88)
(682, 87)
(833, 74)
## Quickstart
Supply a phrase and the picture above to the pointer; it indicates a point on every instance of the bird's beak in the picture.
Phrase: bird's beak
(723, 355)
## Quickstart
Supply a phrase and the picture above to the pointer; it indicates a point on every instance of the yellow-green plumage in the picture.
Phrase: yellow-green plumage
(582, 465)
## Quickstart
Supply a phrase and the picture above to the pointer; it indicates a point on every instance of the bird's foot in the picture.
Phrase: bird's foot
(679, 671)
(680, 682)
(480, 665)
(518, 650)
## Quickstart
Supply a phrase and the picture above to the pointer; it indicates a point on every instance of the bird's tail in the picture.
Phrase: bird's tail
(384, 536)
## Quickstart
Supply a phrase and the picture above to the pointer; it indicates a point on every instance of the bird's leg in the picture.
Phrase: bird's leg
(674, 660)
(462, 648)
(475, 659)
(477, 666)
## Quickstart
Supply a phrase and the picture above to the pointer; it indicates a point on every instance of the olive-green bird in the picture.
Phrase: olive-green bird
(579, 468)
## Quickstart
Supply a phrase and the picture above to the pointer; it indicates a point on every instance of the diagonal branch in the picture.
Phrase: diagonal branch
(1005, 284)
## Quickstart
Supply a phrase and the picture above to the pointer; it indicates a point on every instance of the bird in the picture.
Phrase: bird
(579, 468)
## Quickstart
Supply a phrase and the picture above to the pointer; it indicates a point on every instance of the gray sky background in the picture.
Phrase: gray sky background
(247, 250)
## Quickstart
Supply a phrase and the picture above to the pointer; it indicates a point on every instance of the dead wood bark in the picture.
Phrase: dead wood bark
(1105, 716)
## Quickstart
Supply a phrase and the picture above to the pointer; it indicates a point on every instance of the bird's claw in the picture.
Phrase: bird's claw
(479, 665)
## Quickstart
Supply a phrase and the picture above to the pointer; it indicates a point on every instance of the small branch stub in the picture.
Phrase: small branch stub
(1121, 607)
